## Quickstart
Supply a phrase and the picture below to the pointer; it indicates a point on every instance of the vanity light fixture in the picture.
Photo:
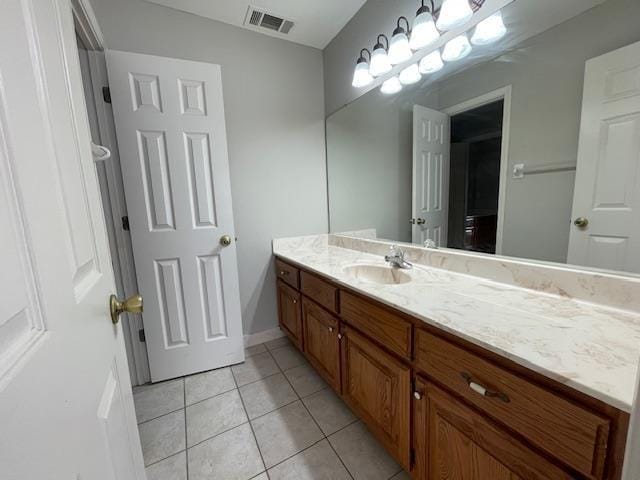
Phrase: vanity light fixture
(424, 30)
(456, 49)
(379, 59)
(453, 13)
(410, 75)
(361, 75)
(431, 63)
(399, 50)
(391, 86)
(489, 30)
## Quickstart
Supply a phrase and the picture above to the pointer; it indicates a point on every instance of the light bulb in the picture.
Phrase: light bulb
(454, 13)
(399, 50)
(391, 86)
(379, 62)
(424, 30)
(410, 75)
(361, 75)
(431, 63)
(456, 49)
(489, 30)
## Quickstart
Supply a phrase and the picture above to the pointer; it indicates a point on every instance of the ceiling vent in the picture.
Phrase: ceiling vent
(258, 19)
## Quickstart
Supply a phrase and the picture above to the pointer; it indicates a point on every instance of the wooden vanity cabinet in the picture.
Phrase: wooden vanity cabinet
(322, 342)
(290, 313)
(443, 408)
(377, 387)
(454, 442)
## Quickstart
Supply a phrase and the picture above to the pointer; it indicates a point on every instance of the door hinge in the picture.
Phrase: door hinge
(106, 94)
(141, 335)
(125, 223)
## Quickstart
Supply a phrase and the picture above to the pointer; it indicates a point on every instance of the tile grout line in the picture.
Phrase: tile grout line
(255, 439)
(186, 441)
(165, 458)
(324, 436)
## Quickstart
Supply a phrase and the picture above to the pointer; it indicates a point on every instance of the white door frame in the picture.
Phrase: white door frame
(503, 93)
(89, 32)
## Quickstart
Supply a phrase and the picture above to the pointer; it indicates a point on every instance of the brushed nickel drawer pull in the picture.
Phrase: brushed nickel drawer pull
(476, 387)
(283, 272)
(330, 329)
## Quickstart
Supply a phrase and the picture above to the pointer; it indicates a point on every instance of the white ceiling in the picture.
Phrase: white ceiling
(316, 21)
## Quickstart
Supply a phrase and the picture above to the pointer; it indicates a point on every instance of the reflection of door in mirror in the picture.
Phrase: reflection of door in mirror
(457, 176)
(431, 143)
(606, 231)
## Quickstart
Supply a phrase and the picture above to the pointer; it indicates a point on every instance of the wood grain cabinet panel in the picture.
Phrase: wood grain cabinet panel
(454, 442)
(290, 313)
(322, 342)
(320, 291)
(382, 325)
(565, 430)
(378, 388)
(288, 273)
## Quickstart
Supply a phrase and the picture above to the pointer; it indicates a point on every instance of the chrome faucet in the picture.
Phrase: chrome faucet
(396, 258)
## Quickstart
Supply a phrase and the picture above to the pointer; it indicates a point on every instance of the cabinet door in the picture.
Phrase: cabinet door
(321, 342)
(289, 313)
(453, 442)
(377, 387)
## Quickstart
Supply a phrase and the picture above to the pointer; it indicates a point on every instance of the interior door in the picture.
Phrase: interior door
(605, 232)
(66, 407)
(170, 125)
(431, 158)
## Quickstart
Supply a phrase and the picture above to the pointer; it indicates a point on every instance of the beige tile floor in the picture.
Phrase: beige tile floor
(269, 418)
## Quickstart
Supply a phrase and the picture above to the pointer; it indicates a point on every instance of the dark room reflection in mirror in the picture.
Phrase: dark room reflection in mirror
(476, 142)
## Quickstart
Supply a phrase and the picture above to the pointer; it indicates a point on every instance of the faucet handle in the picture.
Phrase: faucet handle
(395, 251)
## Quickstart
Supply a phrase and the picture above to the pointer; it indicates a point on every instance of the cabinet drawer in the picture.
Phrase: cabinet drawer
(565, 430)
(390, 330)
(288, 273)
(319, 291)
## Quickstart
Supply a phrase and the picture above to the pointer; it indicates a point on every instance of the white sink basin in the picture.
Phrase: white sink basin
(377, 274)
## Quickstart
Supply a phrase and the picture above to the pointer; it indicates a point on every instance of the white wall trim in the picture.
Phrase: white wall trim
(261, 337)
(86, 23)
(503, 93)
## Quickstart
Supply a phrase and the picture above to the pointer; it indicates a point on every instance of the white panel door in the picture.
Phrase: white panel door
(431, 158)
(170, 125)
(66, 407)
(607, 191)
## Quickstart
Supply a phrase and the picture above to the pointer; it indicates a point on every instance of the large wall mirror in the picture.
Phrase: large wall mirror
(529, 149)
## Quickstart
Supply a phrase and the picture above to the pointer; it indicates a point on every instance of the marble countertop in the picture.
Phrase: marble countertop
(591, 348)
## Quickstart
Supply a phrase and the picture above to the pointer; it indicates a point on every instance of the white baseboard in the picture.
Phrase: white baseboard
(261, 337)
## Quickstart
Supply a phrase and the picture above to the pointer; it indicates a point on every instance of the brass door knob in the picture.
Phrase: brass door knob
(132, 304)
(225, 240)
(581, 222)
(421, 221)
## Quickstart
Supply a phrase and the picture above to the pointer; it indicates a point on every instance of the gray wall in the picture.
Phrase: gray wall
(274, 106)
(546, 73)
(340, 55)
(369, 152)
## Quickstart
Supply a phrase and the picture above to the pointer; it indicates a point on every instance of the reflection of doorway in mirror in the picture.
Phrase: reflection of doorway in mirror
(476, 141)
(459, 173)
(605, 230)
